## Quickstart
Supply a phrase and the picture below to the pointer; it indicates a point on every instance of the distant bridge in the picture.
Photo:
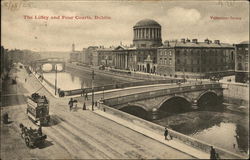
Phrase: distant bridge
(178, 99)
(52, 65)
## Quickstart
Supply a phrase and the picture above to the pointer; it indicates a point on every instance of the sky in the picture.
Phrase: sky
(178, 19)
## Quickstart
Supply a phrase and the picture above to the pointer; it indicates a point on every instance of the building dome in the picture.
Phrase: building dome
(147, 22)
(147, 34)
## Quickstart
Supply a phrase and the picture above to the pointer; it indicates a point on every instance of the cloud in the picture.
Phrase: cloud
(178, 20)
(183, 16)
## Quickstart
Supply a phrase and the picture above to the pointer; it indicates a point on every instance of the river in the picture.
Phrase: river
(68, 81)
(225, 129)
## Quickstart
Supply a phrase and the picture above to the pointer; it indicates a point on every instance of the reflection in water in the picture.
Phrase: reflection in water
(68, 81)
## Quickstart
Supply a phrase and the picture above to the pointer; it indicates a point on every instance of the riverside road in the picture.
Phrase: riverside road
(71, 135)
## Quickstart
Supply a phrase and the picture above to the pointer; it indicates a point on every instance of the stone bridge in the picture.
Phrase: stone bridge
(52, 64)
(174, 99)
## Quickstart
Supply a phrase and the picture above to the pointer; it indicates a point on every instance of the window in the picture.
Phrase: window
(177, 53)
(170, 53)
(143, 45)
(185, 61)
(178, 61)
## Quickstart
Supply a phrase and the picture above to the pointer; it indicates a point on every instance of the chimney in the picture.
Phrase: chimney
(206, 41)
(183, 40)
(188, 40)
(217, 41)
(195, 40)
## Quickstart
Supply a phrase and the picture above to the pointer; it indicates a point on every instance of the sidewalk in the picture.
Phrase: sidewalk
(160, 138)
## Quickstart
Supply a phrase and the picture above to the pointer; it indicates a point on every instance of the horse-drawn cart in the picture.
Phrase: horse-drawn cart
(33, 137)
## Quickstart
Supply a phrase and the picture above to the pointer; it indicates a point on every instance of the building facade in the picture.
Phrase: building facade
(188, 58)
(142, 55)
(242, 62)
(184, 58)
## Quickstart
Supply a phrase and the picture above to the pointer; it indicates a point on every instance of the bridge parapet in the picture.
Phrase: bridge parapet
(160, 92)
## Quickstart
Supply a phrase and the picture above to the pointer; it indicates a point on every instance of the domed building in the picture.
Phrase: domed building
(147, 34)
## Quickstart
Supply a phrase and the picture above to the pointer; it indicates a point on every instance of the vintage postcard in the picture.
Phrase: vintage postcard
(124, 79)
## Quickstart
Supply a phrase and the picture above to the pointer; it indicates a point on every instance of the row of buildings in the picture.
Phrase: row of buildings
(184, 58)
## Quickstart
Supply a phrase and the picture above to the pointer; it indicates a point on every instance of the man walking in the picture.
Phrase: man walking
(212, 153)
(82, 93)
(71, 103)
(166, 133)
(86, 96)
(84, 106)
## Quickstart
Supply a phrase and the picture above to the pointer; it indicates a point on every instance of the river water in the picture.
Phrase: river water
(68, 81)
(225, 129)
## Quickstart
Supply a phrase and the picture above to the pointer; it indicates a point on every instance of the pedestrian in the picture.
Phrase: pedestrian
(84, 106)
(25, 80)
(212, 153)
(82, 93)
(166, 133)
(96, 103)
(86, 96)
(71, 103)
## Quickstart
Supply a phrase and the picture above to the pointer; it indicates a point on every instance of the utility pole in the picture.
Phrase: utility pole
(93, 74)
(102, 92)
(55, 79)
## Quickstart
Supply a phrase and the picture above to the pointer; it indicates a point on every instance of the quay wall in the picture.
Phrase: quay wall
(236, 93)
(160, 130)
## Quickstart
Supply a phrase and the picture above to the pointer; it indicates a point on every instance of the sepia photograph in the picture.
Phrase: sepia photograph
(124, 79)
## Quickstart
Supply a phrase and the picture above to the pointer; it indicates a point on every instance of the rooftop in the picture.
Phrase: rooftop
(197, 44)
(147, 23)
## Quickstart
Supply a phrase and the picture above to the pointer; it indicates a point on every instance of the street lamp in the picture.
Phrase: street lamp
(55, 78)
(103, 93)
(93, 73)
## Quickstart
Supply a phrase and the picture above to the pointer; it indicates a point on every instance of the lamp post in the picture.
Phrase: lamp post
(93, 73)
(55, 79)
(102, 92)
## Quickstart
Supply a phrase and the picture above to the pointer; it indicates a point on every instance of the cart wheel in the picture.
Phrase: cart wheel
(27, 141)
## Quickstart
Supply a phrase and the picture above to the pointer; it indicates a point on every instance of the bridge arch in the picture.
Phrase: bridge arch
(176, 104)
(136, 110)
(39, 65)
(208, 98)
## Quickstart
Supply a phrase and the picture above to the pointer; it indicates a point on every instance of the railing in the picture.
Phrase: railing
(116, 86)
